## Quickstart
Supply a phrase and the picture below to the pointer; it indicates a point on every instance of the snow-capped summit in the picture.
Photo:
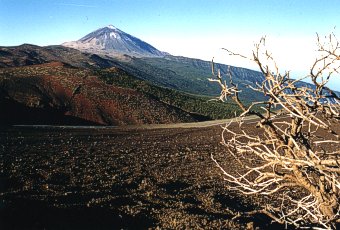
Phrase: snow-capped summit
(110, 40)
(111, 27)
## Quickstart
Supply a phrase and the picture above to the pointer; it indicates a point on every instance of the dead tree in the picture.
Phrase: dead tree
(298, 146)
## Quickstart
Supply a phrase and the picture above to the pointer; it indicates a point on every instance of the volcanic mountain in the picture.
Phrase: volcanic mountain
(112, 41)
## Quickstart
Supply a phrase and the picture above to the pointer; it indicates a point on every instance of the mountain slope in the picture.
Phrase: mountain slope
(28, 54)
(63, 94)
(112, 41)
(179, 73)
(190, 75)
(57, 93)
(194, 104)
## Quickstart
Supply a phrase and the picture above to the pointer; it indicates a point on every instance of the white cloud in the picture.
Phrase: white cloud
(290, 53)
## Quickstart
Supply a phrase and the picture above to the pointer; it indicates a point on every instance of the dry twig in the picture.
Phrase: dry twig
(289, 152)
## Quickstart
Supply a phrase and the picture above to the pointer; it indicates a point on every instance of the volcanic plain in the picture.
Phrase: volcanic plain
(130, 177)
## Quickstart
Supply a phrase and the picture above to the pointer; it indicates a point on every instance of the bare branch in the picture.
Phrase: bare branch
(298, 146)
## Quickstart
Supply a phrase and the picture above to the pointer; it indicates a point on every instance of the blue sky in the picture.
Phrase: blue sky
(192, 28)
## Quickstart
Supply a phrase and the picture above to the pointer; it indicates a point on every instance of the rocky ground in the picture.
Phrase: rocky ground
(119, 178)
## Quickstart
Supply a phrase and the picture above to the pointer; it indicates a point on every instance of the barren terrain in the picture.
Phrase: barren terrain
(114, 178)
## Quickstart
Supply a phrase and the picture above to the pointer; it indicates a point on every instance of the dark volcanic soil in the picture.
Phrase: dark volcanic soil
(116, 178)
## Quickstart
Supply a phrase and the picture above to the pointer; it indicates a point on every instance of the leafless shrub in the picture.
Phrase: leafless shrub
(298, 146)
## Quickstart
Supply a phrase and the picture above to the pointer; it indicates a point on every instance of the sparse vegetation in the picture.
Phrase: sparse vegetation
(195, 104)
(189, 75)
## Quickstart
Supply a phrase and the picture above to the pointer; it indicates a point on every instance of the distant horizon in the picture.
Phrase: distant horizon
(192, 28)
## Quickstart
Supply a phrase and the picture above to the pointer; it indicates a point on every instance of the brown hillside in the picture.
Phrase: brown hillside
(55, 93)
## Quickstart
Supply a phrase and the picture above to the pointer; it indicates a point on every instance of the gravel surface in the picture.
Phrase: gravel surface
(119, 178)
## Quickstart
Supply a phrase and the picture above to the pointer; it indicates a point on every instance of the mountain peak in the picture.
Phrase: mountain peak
(111, 27)
(110, 40)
